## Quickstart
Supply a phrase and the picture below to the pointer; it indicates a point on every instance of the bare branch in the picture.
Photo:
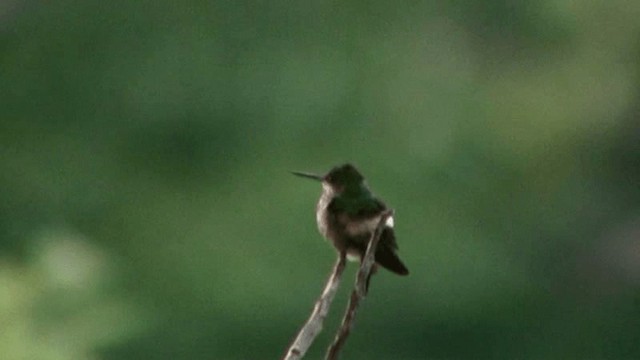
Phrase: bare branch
(360, 289)
(313, 326)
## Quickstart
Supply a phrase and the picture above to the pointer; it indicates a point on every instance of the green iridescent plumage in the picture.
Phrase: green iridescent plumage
(347, 214)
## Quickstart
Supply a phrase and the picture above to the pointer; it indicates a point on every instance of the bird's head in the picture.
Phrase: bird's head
(338, 179)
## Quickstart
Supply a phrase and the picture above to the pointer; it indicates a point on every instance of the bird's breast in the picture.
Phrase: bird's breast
(322, 214)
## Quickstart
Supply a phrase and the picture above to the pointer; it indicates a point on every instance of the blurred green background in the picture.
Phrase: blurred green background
(146, 210)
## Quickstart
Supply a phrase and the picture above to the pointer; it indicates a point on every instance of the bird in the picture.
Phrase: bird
(348, 213)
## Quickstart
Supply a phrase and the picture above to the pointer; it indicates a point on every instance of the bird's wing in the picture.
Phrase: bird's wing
(360, 209)
(388, 238)
(386, 253)
(373, 209)
(357, 208)
(366, 208)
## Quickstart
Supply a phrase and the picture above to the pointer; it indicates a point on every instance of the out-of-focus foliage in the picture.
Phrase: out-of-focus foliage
(146, 211)
(60, 304)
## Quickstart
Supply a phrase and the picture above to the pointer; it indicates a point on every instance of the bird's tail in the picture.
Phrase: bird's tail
(388, 259)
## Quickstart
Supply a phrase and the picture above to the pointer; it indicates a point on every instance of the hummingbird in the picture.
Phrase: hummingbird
(348, 213)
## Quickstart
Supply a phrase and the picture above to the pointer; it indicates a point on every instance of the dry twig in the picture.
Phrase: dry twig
(313, 326)
(360, 289)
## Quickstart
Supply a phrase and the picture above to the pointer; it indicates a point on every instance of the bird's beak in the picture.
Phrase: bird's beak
(308, 176)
